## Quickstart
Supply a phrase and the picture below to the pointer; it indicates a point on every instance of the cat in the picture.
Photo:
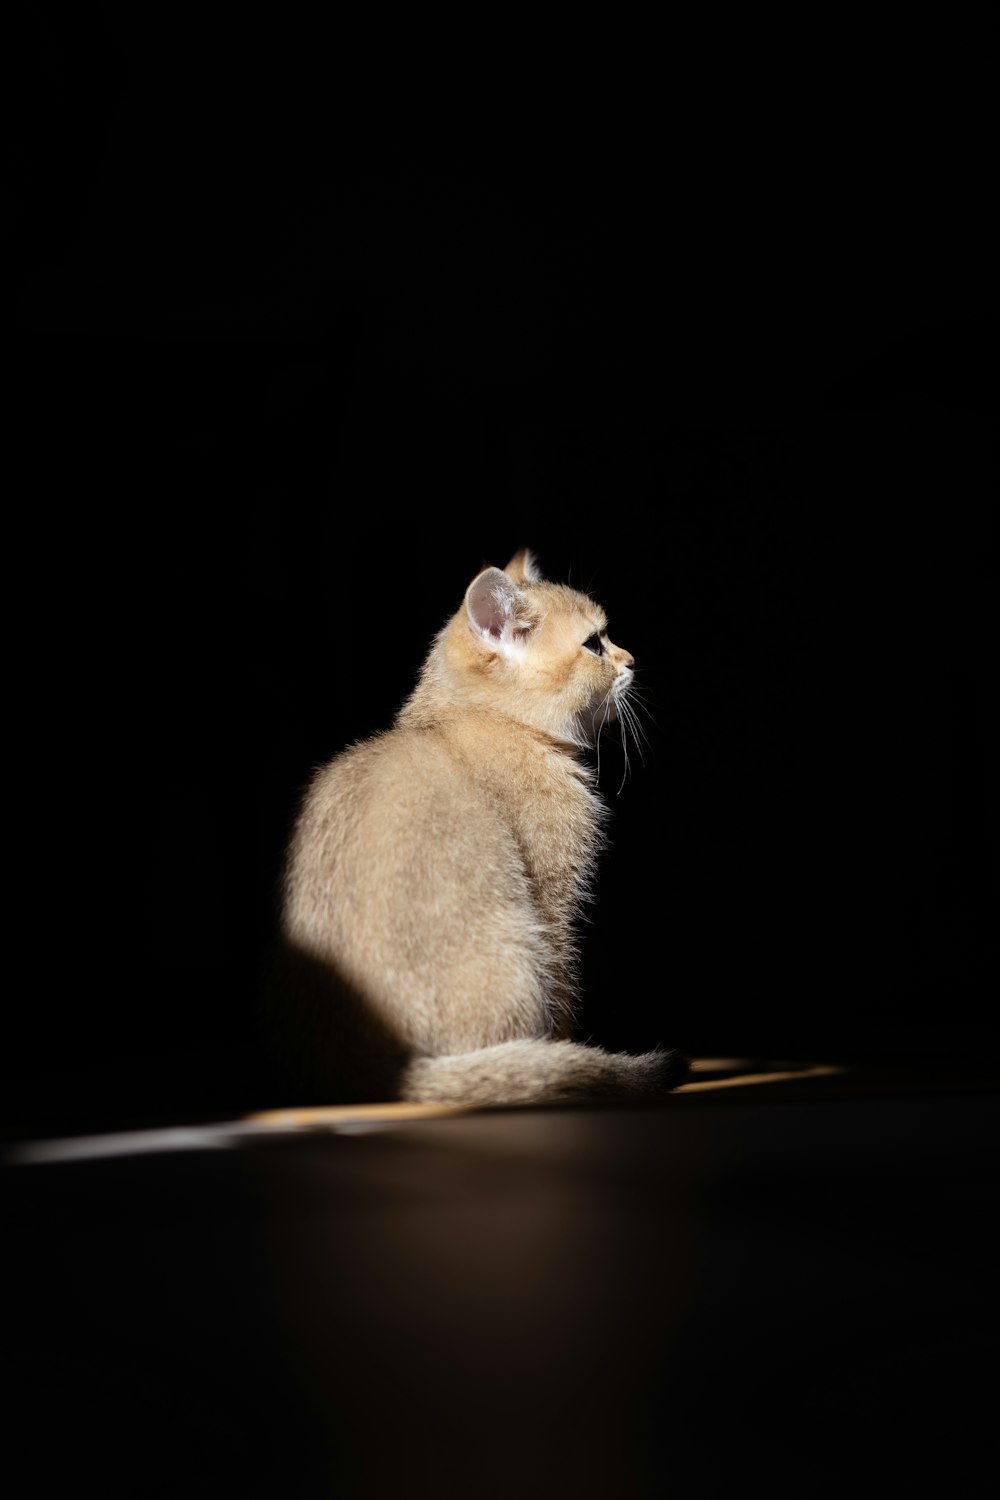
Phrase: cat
(435, 871)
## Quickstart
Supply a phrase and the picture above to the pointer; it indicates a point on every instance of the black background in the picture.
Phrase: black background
(305, 326)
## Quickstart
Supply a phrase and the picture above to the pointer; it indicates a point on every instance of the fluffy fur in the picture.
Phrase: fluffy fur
(436, 870)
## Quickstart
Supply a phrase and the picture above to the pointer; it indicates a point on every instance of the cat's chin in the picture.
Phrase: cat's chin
(594, 724)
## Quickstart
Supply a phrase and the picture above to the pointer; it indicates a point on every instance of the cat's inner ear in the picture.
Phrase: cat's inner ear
(523, 567)
(491, 602)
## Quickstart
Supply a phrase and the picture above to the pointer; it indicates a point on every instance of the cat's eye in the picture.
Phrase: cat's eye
(595, 644)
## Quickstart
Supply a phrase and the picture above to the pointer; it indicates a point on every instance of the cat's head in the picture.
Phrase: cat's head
(539, 651)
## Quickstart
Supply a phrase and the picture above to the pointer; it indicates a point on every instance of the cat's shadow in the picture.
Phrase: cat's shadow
(318, 1040)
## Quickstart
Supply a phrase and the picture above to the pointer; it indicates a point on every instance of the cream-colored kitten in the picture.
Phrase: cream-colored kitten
(436, 870)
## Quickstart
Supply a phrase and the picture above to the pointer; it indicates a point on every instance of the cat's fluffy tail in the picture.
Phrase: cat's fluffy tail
(539, 1072)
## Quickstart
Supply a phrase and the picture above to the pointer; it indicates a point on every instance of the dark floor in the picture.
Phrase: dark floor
(785, 1284)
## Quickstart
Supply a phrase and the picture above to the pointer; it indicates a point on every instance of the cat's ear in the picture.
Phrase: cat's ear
(491, 603)
(523, 567)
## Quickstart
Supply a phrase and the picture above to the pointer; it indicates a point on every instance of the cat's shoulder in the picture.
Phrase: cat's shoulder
(481, 742)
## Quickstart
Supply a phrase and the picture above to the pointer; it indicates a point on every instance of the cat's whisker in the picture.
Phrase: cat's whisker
(637, 699)
(631, 711)
(629, 717)
(639, 705)
(615, 705)
(625, 771)
(605, 706)
(630, 724)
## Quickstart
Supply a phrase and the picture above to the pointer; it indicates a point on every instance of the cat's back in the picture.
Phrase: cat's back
(462, 774)
(374, 800)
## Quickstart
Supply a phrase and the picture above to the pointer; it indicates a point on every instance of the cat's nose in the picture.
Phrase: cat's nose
(627, 659)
